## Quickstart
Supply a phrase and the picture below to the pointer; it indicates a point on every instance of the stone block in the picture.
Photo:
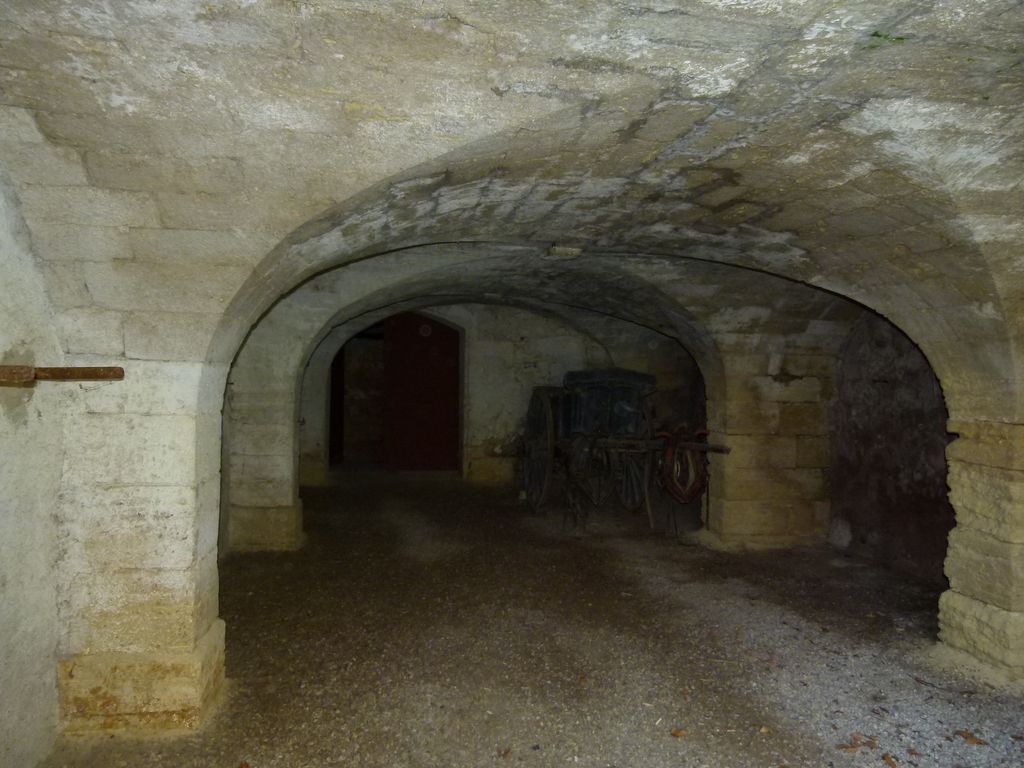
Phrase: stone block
(989, 443)
(167, 690)
(128, 610)
(206, 246)
(33, 163)
(986, 568)
(265, 528)
(777, 389)
(152, 286)
(491, 470)
(18, 125)
(196, 210)
(168, 335)
(75, 242)
(752, 417)
(263, 436)
(803, 419)
(761, 483)
(988, 499)
(761, 451)
(764, 523)
(813, 452)
(91, 331)
(89, 206)
(672, 122)
(148, 388)
(985, 631)
(66, 285)
(162, 173)
(145, 527)
(129, 449)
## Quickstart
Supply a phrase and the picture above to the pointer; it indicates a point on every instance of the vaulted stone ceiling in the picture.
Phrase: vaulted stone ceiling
(195, 149)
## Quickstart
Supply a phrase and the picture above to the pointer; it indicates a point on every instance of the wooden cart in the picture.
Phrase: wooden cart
(595, 434)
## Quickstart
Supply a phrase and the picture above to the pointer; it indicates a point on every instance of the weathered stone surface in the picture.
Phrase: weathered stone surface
(774, 483)
(265, 528)
(160, 287)
(988, 499)
(129, 449)
(168, 335)
(91, 331)
(88, 206)
(986, 568)
(985, 631)
(171, 689)
(987, 443)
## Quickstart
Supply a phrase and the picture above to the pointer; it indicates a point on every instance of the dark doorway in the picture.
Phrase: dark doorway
(395, 396)
(889, 439)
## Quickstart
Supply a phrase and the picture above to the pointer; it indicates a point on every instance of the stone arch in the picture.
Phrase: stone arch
(274, 499)
(876, 232)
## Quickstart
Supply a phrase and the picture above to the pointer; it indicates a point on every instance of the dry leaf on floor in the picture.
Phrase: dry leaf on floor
(970, 738)
(858, 741)
(764, 729)
(679, 733)
(889, 760)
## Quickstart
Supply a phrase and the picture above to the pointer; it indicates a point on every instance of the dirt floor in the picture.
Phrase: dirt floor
(429, 624)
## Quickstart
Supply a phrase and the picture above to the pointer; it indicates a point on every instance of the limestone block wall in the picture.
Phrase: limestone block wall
(773, 488)
(136, 583)
(30, 439)
(983, 610)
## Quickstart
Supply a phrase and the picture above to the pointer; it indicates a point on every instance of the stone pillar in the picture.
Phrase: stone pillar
(142, 643)
(265, 512)
(772, 490)
(982, 613)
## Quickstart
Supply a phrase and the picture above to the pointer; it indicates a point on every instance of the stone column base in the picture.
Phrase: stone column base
(262, 529)
(498, 471)
(988, 633)
(161, 689)
(776, 524)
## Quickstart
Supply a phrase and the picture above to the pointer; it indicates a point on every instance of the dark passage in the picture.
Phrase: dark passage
(889, 438)
(427, 624)
(395, 396)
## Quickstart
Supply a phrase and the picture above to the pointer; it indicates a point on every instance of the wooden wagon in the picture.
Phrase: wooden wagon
(594, 433)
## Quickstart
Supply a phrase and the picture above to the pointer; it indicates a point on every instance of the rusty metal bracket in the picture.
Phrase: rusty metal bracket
(27, 375)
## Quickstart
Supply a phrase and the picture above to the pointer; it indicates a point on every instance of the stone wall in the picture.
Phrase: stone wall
(30, 444)
(889, 492)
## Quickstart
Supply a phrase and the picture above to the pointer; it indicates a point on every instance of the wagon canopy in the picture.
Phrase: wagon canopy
(608, 402)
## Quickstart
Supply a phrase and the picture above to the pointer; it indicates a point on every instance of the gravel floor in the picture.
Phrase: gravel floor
(426, 624)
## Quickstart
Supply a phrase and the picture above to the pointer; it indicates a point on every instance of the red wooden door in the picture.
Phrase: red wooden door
(421, 394)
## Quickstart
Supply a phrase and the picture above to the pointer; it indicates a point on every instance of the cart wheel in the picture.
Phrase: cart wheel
(684, 471)
(634, 480)
(539, 462)
(634, 473)
(590, 468)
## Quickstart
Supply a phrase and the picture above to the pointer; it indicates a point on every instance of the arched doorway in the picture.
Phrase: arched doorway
(395, 396)
(889, 470)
